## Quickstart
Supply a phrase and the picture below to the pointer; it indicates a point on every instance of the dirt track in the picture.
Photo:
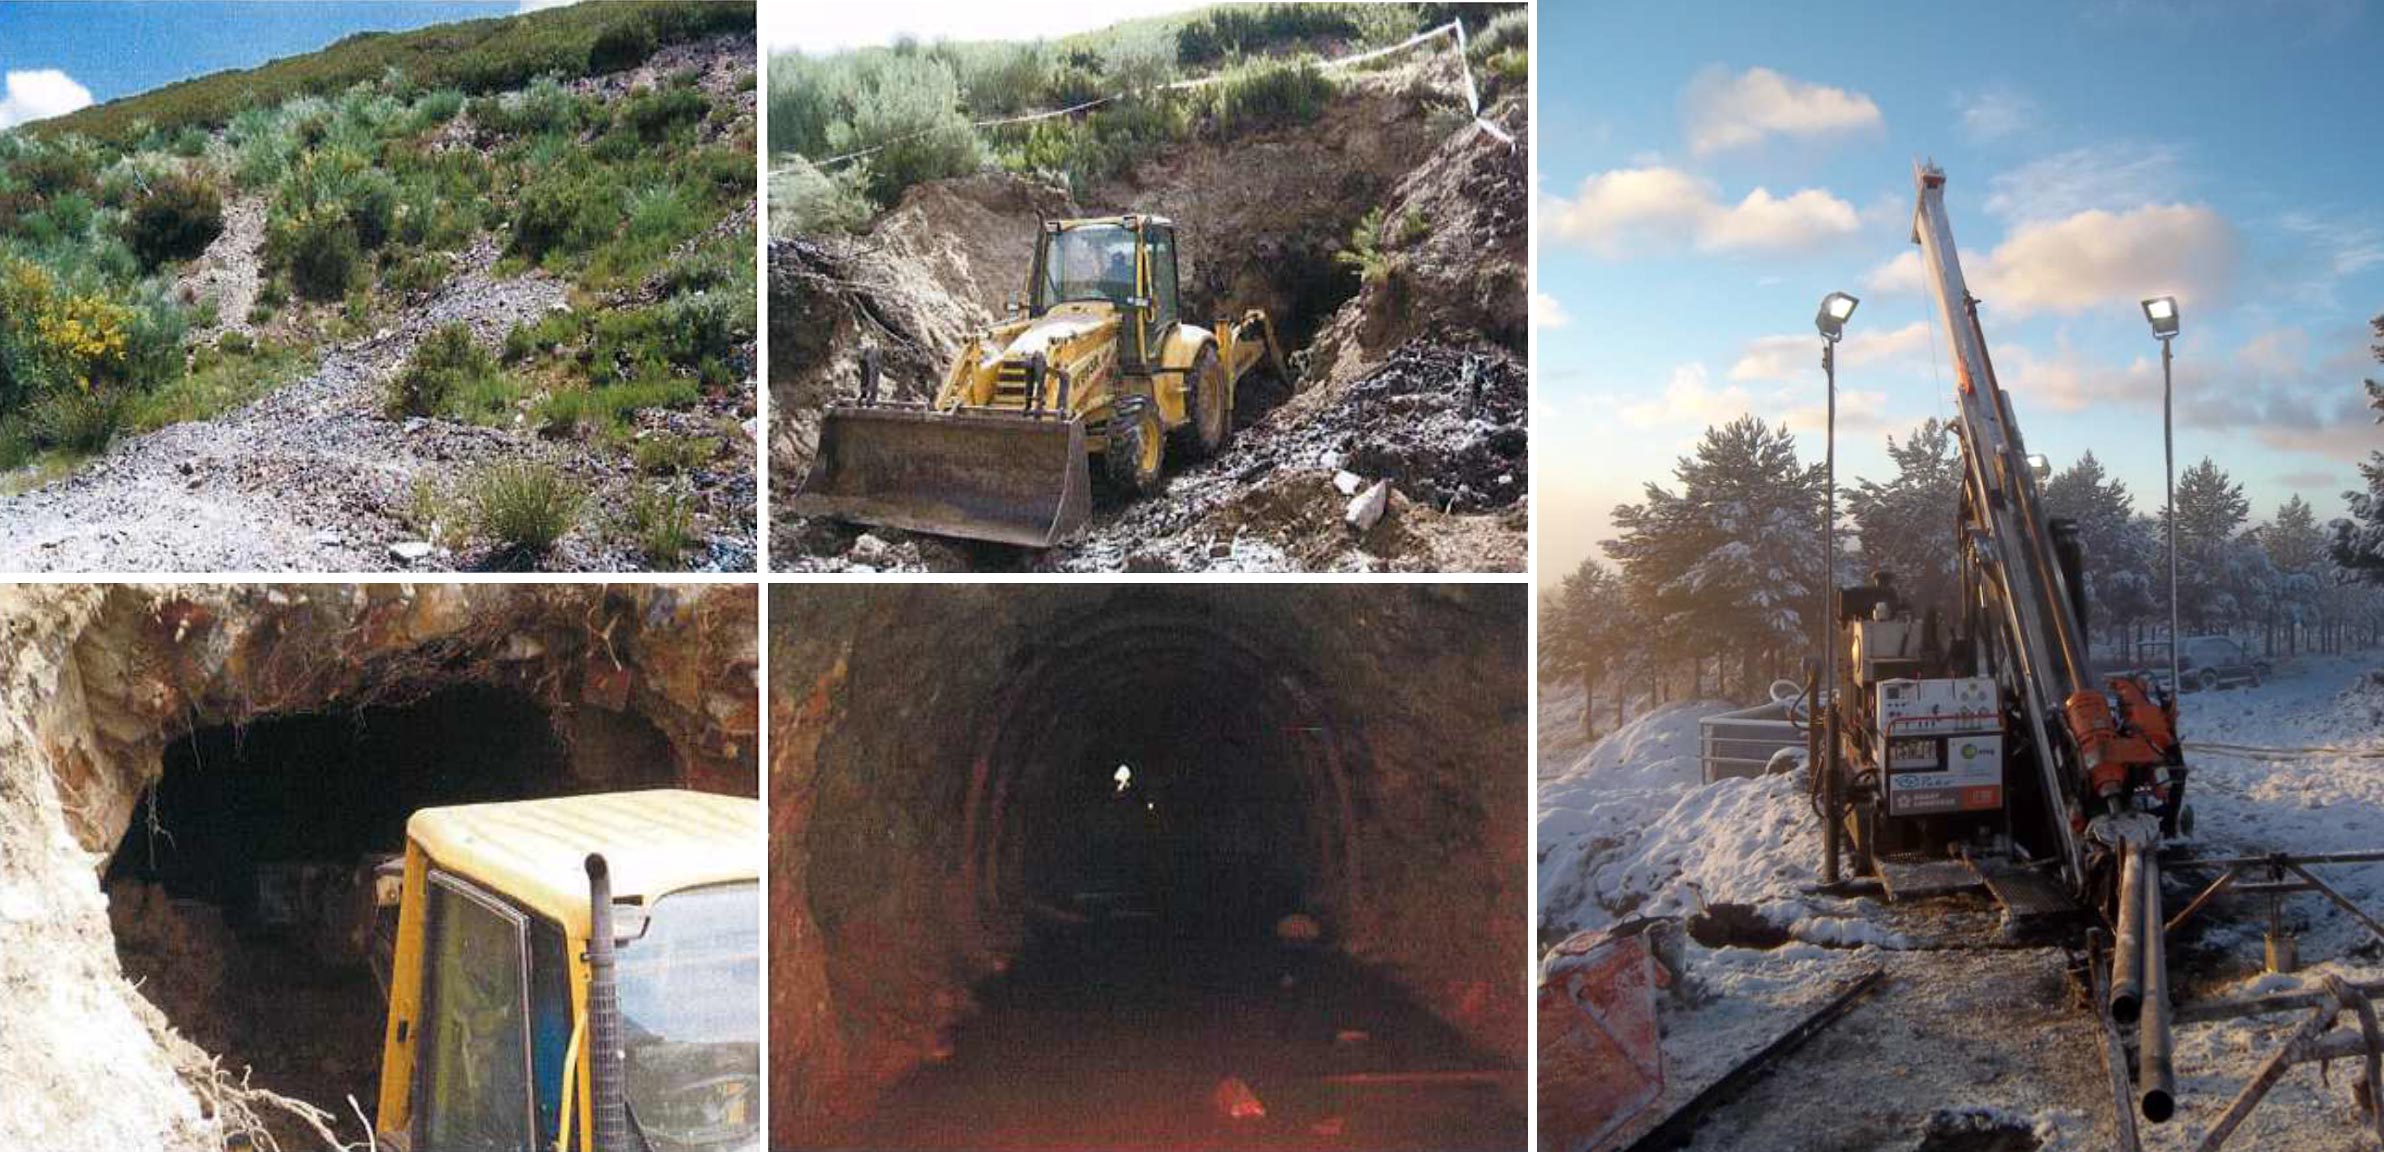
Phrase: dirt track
(311, 477)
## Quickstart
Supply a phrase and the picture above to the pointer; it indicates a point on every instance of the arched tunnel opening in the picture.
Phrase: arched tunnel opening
(1151, 870)
(252, 897)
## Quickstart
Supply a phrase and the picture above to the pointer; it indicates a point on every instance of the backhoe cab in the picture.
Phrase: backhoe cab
(580, 973)
(1095, 361)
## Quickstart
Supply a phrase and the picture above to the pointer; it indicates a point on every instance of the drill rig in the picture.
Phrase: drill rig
(1975, 743)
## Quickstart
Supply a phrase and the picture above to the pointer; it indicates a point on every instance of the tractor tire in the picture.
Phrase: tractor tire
(1136, 458)
(1208, 401)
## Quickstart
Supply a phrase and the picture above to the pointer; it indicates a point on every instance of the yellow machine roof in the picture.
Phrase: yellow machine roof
(535, 851)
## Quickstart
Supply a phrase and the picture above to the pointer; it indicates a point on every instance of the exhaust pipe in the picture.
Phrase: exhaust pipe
(607, 1079)
(2156, 1075)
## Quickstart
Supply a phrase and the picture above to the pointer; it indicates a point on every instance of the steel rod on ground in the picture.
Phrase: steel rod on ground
(2114, 1051)
(2156, 1074)
(1678, 1128)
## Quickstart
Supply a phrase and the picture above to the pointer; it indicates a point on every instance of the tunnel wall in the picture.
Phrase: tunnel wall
(96, 680)
(892, 875)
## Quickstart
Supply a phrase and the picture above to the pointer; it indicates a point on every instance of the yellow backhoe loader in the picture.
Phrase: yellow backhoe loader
(577, 973)
(1096, 361)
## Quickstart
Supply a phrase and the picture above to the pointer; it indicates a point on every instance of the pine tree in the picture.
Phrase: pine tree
(2126, 576)
(1730, 566)
(2211, 568)
(1586, 634)
(2296, 549)
(2359, 537)
(1906, 526)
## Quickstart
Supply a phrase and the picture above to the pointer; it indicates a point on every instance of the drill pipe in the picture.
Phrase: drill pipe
(2127, 952)
(2156, 1075)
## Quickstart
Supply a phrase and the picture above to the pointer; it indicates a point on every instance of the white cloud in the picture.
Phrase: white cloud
(1999, 112)
(40, 94)
(2111, 176)
(1798, 357)
(1723, 110)
(540, 5)
(2105, 258)
(1634, 209)
(1857, 412)
(1548, 312)
(1689, 397)
(1902, 274)
(2091, 259)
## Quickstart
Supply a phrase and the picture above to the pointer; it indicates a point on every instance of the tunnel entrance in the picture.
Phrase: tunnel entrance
(1153, 833)
(242, 897)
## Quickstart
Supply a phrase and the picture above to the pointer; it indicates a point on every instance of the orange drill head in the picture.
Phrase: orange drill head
(2091, 724)
(2156, 724)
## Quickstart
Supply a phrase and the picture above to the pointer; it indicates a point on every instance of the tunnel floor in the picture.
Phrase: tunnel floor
(1118, 1034)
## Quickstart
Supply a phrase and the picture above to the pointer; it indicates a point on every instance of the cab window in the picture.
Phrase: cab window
(473, 1066)
(1163, 287)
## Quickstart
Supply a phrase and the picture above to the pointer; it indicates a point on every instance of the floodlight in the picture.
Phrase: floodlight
(1836, 309)
(2162, 312)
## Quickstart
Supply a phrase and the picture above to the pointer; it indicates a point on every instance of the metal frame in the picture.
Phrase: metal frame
(440, 878)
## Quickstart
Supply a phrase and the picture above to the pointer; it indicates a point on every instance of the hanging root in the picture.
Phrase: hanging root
(237, 1109)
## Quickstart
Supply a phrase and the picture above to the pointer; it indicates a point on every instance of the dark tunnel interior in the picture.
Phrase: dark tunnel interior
(242, 896)
(1148, 832)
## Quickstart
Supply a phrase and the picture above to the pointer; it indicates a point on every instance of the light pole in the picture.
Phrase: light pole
(1836, 309)
(2161, 311)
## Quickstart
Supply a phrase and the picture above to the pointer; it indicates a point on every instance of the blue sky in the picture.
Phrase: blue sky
(1710, 171)
(55, 57)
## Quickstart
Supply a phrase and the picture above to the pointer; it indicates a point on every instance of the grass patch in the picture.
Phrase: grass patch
(670, 455)
(521, 508)
(219, 381)
(660, 525)
(447, 365)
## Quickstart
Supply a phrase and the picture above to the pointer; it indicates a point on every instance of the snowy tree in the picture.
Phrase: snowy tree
(1729, 566)
(1588, 634)
(2359, 537)
(2296, 549)
(2211, 566)
(2126, 573)
(1906, 525)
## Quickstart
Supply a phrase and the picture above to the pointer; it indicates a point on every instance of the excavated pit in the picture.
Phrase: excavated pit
(1264, 221)
(1055, 867)
(196, 783)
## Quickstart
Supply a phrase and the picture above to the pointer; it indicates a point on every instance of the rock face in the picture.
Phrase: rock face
(96, 681)
(1364, 742)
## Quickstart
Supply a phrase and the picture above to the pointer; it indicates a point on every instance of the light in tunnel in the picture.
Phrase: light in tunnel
(1124, 777)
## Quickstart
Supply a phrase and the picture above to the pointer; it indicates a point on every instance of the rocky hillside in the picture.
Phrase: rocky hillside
(494, 312)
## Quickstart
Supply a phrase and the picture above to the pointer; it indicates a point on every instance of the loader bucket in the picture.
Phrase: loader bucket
(1013, 479)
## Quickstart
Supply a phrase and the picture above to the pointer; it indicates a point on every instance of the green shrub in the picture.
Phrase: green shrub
(174, 218)
(661, 525)
(321, 251)
(620, 48)
(79, 420)
(1270, 94)
(655, 113)
(345, 182)
(543, 108)
(910, 113)
(436, 108)
(1236, 29)
(446, 364)
(669, 455)
(806, 201)
(521, 507)
(562, 213)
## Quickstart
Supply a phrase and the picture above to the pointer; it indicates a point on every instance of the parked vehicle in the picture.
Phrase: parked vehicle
(2206, 662)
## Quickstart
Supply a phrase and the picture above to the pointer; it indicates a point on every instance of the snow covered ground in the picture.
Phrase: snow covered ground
(1960, 1031)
